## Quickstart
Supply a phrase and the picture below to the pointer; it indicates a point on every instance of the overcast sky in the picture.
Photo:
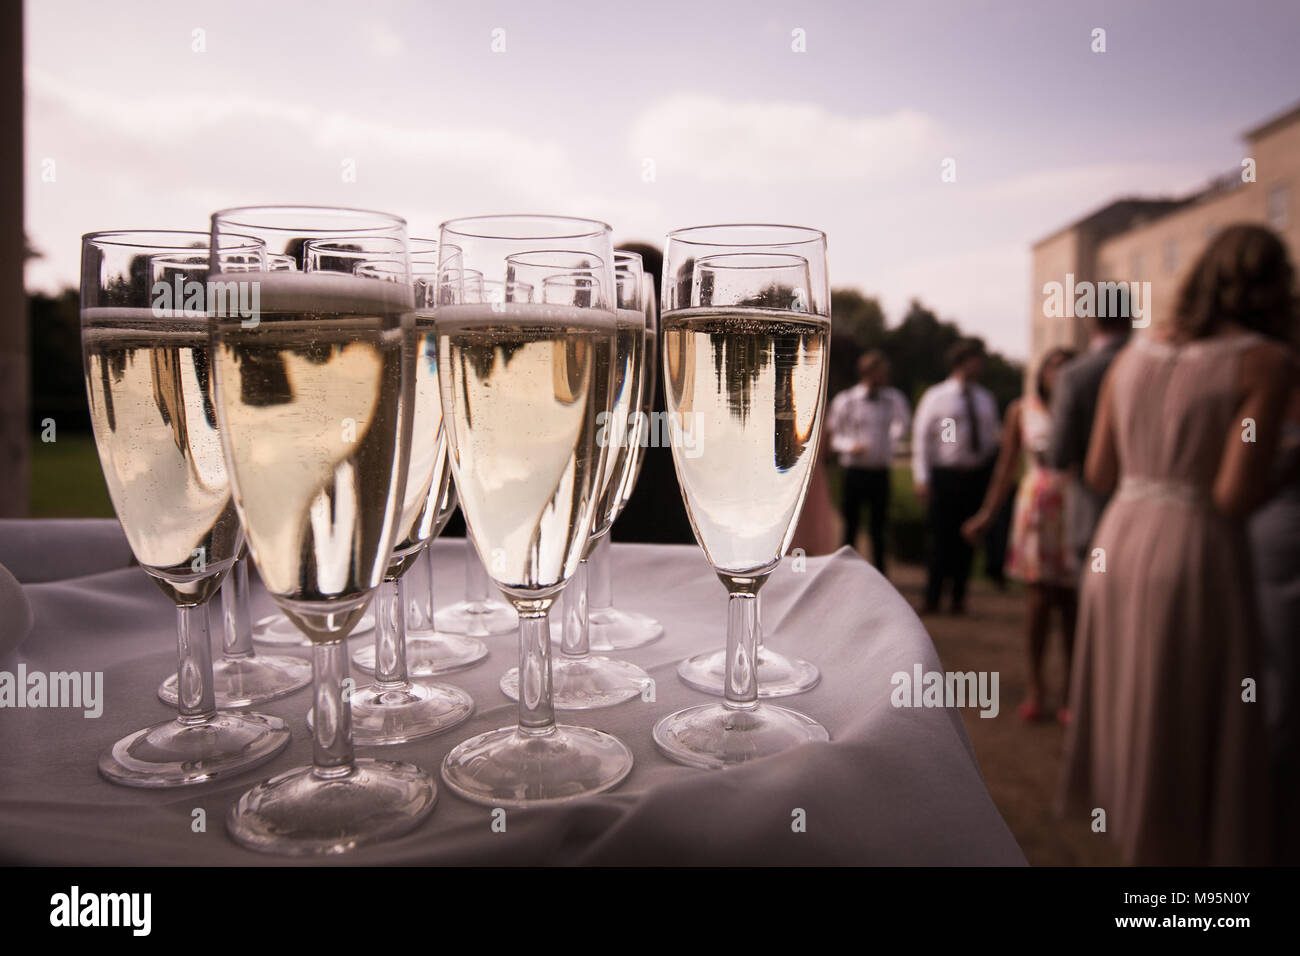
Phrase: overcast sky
(652, 117)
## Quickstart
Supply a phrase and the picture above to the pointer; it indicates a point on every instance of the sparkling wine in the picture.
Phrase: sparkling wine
(429, 500)
(149, 385)
(522, 432)
(617, 432)
(315, 400)
(642, 432)
(747, 385)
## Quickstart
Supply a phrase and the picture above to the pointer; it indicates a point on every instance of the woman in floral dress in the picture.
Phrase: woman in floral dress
(1040, 553)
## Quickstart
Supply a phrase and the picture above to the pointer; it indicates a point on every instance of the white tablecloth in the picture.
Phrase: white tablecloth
(893, 786)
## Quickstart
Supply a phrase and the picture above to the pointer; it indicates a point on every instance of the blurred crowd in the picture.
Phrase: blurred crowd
(1152, 485)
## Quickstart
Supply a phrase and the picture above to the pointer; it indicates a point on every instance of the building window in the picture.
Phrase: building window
(1171, 255)
(1277, 203)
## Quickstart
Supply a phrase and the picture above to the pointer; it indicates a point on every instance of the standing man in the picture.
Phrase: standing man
(1074, 405)
(865, 422)
(954, 445)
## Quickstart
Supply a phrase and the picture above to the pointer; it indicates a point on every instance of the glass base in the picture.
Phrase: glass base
(247, 681)
(276, 630)
(477, 618)
(508, 768)
(429, 653)
(713, 736)
(420, 709)
(173, 754)
(778, 675)
(585, 683)
(300, 813)
(610, 629)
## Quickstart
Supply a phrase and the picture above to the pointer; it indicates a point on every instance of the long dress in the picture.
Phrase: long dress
(1040, 553)
(1164, 738)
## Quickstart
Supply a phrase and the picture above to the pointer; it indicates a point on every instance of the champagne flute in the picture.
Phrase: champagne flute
(394, 709)
(240, 677)
(611, 628)
(315, 398)
(149, 386)
(427, 651)
(581, 680)
(519, 396)
(778, 674)
(746, 340)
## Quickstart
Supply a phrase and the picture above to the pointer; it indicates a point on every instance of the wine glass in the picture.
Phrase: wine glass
(316, 399)
(746, 339)
(520, 400)
(611, 628)
(581, 680)
(778, 674)
(393, 708)
(148, 373)
(427, 651)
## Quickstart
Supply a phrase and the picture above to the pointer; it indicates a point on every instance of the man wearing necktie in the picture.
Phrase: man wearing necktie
(954, 444)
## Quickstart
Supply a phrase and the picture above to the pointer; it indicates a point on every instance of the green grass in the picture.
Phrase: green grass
(66, 479)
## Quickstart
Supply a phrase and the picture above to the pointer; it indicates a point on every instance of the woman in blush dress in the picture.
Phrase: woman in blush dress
(1041, 556)
(1166, 737)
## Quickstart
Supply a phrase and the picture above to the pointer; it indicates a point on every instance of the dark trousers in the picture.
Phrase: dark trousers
(955, 495)
(869, 487)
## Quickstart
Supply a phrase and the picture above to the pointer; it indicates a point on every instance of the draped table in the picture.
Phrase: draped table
(894, 786)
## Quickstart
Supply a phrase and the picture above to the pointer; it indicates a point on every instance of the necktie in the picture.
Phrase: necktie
(969, 398)
(871, 393)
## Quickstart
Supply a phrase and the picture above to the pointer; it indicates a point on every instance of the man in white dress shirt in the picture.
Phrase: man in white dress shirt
(865, 422)
(954, 445)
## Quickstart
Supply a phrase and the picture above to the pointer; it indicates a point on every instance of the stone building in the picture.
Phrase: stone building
(1155, 241)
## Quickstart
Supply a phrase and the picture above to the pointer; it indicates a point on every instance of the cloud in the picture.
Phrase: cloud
(166, 160)
(759, 143)
(1048, 200)
(384, 42)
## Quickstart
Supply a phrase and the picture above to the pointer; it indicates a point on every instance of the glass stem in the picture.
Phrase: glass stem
(601, 584)
(331, 711)
(196, 700)
(741, 691)
(419, 604)
(390, 635)
(536, 709)
(575, 634)
(237, 622)
(477, 585)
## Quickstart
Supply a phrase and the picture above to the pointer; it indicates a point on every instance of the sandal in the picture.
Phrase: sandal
(1030, 711)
